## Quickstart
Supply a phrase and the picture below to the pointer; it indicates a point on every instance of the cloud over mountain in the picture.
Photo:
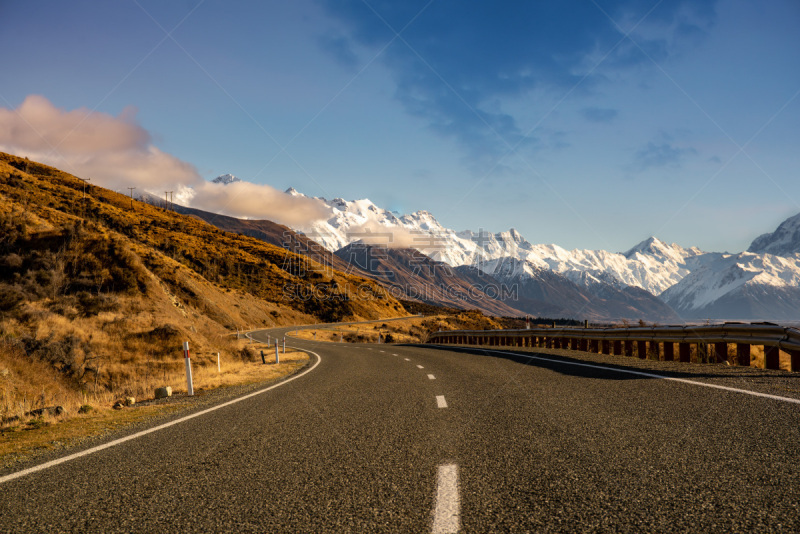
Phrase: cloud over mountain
(117, 152)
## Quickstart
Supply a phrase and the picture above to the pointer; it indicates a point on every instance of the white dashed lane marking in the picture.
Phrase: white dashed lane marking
(447, 511)
(431, 377)
(440, 402)
(420, 367)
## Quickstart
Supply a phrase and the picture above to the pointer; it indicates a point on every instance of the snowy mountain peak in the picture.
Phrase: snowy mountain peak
(294, 192)
(226, 179)
(784, 241)
(651, 245)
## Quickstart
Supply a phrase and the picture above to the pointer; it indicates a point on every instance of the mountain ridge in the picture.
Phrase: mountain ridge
(651, 265)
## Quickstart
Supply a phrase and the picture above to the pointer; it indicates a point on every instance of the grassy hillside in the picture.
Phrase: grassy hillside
(97, 293)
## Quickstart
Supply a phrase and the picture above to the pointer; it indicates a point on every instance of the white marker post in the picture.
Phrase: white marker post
(277, 358)
(219, 370)
(188, 360)
(284, 344)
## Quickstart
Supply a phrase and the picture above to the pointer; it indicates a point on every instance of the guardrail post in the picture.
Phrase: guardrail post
(721, 351)
(669, 351)
(772, 357)
(743, 354)
(684, 352)
(795, 359)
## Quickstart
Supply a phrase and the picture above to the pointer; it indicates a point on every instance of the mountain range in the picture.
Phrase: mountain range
(418, 259)
(653, 280)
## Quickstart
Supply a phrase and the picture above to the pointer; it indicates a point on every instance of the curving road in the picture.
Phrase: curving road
(383, 438)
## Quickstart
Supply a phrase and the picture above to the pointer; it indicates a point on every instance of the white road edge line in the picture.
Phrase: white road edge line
(440, 402)
(447, 511)
(653, 375)
(431, 377)
(119, 441)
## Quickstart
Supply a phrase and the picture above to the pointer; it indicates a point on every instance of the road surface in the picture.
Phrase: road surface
(389, 438)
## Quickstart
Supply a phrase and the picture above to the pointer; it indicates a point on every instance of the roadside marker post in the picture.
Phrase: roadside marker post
(263, 360)
(284, 344)
(277, 358)
(219, 370)
(188, 360)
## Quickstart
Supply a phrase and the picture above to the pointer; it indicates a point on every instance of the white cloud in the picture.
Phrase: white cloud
(116, 153)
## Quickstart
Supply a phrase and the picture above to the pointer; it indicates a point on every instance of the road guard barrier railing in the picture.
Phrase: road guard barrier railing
(729, 342)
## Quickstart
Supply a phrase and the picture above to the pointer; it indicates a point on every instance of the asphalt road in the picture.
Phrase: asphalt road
(364, 443)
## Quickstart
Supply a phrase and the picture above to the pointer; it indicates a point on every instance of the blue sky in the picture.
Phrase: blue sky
(589, 124)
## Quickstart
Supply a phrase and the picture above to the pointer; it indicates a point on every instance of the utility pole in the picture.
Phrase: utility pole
(84, 180)
(131, 188)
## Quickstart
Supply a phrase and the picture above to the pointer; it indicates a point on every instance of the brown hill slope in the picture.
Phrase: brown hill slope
(96, 296)
(410, 274)
(232, 261)
(275, 234)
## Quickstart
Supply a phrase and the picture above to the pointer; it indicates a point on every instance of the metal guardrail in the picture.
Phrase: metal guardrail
(711, 341)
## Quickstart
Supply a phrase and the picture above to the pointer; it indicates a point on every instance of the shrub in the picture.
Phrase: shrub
(11, 296)
(246, 354)
(93, 304)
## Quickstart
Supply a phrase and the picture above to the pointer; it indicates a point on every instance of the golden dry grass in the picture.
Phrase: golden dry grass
(405, 330)
(96, 299)
(36, 385)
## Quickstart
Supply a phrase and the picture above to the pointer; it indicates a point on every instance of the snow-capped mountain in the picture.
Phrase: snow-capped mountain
(740, 286)
(226, 179)
(695, 279)
(784, 241)
(651, 265)
(599, 296)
